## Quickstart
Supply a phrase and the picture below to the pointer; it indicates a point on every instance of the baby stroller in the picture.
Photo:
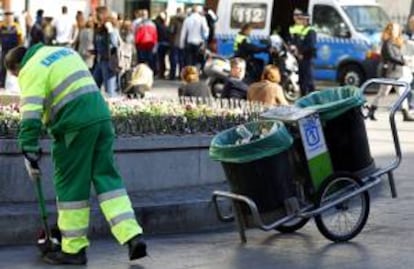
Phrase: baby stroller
(136, 81)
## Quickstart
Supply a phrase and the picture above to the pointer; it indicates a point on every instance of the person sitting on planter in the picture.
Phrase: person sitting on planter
(192, 86)
(139, 80)
(268, 91)
(235, 87)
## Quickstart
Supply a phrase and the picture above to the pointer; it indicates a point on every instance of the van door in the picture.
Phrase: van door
(334, 42)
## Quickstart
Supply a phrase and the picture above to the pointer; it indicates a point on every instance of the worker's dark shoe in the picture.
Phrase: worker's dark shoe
(65, 258)
(137, 248)
(407, 116)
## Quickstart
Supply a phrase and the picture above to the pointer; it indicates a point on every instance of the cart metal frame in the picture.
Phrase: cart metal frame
(310, 210)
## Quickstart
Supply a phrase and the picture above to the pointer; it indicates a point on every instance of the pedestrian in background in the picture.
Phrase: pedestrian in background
(268, 91)
(191, 85)
(49, 31)
(194, 34)
(84, 41)
(64, 26)
(146, 38)
(176, 55)
(392, 66)
(10, 37)
(235, 87)
(36, 32)
(105, 42)
(163, 46)
(211, 18)
(306, 53)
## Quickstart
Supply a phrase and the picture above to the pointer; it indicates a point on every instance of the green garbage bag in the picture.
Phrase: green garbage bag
(331, 103)
(223, 147)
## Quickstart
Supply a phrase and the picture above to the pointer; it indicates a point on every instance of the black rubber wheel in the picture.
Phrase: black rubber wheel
(346, 220)
(292, 226)
(352, 75)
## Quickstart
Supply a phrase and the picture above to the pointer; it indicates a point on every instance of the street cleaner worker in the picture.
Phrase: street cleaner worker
(58, 91)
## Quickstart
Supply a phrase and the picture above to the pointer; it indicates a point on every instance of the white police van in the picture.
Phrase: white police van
(348, 33)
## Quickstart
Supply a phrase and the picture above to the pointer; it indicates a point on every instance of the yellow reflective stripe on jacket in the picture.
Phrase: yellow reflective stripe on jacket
(65, 84)
(31, 107)
(71, 96)
(55, 73)
(296, 29)
(32, 115)
(237, 41)
(32, 100)
(305, 30)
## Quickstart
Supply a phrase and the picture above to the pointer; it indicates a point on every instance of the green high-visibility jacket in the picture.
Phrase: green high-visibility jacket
(57, 91)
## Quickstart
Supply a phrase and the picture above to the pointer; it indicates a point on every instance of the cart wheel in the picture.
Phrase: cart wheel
(292, 226)
(345, 220)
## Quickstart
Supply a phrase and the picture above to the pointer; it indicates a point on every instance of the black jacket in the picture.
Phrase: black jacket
(392, 59)
(235, 88)
(247, 49)
(195, 89)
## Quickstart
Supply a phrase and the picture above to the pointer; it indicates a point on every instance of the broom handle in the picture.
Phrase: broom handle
(42, 206)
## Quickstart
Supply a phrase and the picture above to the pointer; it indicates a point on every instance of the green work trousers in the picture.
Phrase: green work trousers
(83, 158)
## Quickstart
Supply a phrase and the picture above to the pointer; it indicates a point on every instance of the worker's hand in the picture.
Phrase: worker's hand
(31, 161)
(32, 169)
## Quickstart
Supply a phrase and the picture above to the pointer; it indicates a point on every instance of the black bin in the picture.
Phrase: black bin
(344, 127)
(260, 169)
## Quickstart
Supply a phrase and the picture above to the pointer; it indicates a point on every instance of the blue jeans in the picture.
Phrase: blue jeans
(104, 75)
(176, 58)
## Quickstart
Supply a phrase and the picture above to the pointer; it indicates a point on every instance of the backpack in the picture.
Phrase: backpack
(146, 36)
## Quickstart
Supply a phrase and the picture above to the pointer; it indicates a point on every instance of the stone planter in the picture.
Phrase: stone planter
(146, 164)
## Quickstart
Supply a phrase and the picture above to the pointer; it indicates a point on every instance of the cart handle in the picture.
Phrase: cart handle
(396, 106)
(258, 221)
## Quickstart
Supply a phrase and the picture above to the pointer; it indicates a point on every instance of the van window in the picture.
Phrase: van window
(254, 13)
(367, 18)
(327, 21)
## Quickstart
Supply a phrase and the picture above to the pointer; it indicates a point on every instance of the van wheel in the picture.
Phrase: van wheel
(351, 75)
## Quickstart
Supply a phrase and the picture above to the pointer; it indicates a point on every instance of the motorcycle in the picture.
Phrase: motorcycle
(217, 69)
(283, 58)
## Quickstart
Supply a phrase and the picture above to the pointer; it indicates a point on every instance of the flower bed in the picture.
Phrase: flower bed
(159, 117)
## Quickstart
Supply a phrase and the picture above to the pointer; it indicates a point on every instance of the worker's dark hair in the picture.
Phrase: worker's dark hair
(14, 58)
(246, 27)
(64, 9)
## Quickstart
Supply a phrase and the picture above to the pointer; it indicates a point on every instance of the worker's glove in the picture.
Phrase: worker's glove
(31, 161)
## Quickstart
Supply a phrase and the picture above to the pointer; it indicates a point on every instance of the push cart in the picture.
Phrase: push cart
(339, 201)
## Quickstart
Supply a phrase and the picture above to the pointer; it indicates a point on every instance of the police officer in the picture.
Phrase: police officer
(244, 49)
(58, 91)
(295, 30)
(10, 37)
(306, 52)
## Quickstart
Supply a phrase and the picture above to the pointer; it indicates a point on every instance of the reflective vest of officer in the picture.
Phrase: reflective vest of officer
(50, 79)
(240, 38)
(295, 33)
(10, 36)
